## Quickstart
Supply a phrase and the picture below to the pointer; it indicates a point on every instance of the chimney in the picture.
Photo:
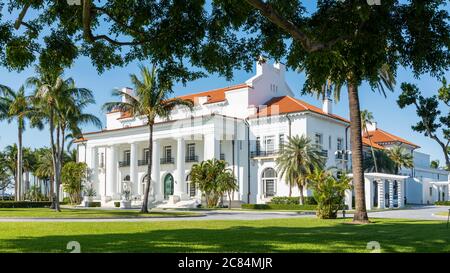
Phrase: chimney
(327, 106)
(281, 68)
(261, 66)
(127, 90)
(371, 126)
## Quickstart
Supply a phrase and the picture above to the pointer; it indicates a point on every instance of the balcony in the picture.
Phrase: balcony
(324, 153)
(191, 158)
(270, 153)
(222, 156)
(124, 163)
(143, 162)
(167, 160)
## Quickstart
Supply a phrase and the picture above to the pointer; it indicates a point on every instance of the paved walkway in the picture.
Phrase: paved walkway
(418, 213)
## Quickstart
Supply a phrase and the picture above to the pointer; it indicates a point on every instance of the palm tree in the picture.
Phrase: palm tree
(151, 100)
(227, 184)
(386, 79)
(367, 117)
(15, 105)
(44, 167)
(297, 160)
(384, 163)
(400, 157)
(61, 104)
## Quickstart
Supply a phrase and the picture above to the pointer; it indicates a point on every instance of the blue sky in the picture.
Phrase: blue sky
(385, 110)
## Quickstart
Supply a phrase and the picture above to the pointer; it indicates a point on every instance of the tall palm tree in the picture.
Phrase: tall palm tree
(151, 100)
(401, 158)
(61, 104)
(297, 160)
(385, 80)
(16, 106)
(367, 117)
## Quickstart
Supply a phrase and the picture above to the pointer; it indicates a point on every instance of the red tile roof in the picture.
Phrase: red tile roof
(381, 137)
(366, 142)
(215, 95)
(288, 104)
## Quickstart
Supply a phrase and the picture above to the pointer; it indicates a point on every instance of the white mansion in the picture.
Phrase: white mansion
(245, 125)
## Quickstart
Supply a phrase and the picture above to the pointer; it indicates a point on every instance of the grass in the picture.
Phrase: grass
(443, 213)
(83, 213)
(282, 235)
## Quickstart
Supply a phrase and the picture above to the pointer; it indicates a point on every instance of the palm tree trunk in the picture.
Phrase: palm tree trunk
(144, 208)
(302, 197)
(373, 152)
(19, 193)
(360, 214)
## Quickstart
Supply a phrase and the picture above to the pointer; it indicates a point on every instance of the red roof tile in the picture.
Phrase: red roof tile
(379, 136)
(288, 104)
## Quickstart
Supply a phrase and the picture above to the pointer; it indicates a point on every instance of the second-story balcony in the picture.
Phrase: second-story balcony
(268, 153)
(125, 163)
(191, 158)
(143, 162)
(324, 153)
(167, 160)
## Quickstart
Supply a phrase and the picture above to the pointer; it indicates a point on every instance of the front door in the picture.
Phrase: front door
(168, 186)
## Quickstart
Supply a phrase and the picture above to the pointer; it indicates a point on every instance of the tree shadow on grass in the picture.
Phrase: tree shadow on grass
(393, 236)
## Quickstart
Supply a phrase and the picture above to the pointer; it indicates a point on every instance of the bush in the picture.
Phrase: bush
(442, 203)
(309, 200)
(279, 206)
(25, 204)
(117, 204)
(93, 204)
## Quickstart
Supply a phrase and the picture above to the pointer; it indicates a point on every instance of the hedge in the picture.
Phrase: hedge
(442, 203)
(117, 204)
(25, 204)
(279, 207)
(93, 204)
(309, 200)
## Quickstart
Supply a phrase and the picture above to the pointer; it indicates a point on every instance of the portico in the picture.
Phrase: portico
(382, 191)
(175, 149)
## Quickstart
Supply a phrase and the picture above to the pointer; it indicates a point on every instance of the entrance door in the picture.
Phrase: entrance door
(168, 186)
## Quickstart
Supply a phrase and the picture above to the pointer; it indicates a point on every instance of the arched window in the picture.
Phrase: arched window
(143, 185)
(269, 180)
(190, 187)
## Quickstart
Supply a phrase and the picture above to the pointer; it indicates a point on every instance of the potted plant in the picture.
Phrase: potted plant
(89, 194)
(125, 203)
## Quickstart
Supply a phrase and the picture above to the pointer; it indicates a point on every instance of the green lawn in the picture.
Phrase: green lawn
(83, 213)
(444, 213)
(280, 235)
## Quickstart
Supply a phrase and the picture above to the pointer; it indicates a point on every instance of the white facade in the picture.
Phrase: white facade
(233, 124)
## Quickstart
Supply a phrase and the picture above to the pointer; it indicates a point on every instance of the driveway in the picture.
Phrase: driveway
(203, 215)
(416, 212)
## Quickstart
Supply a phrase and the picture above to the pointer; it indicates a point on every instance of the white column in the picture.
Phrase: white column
(448, 192)
(111, 171)
(134, 169)
(400, 193)
(180, 180)
(211, 147)
(94, 170)
(156, 176)
(368, 187)
(391, 194)
(381, 201)
(349, 199)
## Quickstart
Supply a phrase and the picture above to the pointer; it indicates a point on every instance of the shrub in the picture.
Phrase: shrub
(73, 175)
(442, 203)
(117, 204)
(25, 204)
(329, 192)
(309, 200)
(93, 204)
(279, 206)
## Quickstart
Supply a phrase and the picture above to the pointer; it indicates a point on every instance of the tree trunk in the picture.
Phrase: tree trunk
(373, 152)
(290, 189)
(302, 197)
(144, 208)
(19, 193)
(360, 214)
